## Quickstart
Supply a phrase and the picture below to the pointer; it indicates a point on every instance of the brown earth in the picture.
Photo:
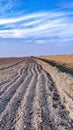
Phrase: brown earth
(35, 96)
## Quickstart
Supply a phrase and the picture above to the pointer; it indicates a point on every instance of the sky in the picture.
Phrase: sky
(36, 27)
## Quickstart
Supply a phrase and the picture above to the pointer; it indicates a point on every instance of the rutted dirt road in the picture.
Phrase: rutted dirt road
(31, 100)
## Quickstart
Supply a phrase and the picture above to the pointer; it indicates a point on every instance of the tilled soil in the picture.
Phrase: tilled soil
(31, 100)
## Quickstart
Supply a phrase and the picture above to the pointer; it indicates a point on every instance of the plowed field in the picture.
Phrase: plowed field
(35, 96)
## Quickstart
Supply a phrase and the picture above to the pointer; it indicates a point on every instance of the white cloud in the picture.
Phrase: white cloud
(20, 19)
(39, 24)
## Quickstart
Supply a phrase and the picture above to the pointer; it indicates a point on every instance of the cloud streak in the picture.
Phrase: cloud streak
(38, 25)
(40, 29)
(5, 6)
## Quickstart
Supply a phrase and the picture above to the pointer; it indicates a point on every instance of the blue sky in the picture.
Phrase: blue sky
(36, 27)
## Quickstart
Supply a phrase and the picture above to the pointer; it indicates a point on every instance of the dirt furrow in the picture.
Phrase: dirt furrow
(11, 90)
(24, 114)
(47, 123)
(32, 99)
(57, 112)
(9, 114)
(64, 84)
(2, 83)
(5, 87)
(36, 115)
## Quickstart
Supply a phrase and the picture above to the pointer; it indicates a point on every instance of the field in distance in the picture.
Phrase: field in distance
(65, 60)
(62, 58)
(6, 62)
